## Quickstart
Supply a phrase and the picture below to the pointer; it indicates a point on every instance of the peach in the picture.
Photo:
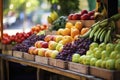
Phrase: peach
(48, 53)
(31, 49)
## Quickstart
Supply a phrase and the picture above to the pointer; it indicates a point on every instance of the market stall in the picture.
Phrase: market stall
(81, 46)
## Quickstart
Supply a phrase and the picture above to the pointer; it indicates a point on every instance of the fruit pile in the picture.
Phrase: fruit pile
(17, 38)
(73, 30)
(101, 55)
(24, 46)
(83, 15)
(79, 46)
(37, 28)
(50, 46)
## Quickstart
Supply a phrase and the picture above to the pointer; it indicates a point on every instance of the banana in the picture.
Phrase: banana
(102, 29)
(96, 34)
(102, 36)
(54, 15)
(107, 37)
(49, 19)
(86, 34)
(94, 29)
(103, 23)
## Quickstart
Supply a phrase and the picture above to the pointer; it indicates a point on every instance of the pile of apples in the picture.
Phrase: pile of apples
(83, 15)
(73, 30)
(17, 38)
(37, 28)
(102, 55)
(50, 47)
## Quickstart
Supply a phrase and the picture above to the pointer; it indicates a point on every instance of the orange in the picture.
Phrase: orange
(84, 30)
(59, 32)
(78, 25)
(69, 25)
(74, 32)
(66, 31)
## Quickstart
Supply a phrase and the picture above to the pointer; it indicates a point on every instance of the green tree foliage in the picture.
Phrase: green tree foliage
(65, 6)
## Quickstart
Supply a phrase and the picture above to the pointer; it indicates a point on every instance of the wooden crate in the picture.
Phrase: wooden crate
(61, 64)
(9, 47)
(18, 54)
(78, 67)
(29, 56)
(52, 62)
(40, 59)
(104, 73)
(9, 53)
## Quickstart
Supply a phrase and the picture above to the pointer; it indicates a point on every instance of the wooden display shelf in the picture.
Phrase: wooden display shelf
(104, 73)
(40, 59)
(78, 67)
(18, 54)
(67, 73)
(28, 56)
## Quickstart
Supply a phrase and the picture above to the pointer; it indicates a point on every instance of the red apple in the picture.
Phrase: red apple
(84, 12)
(84, 17)
(70, 16)
(91, 13)
(92, 18)
(74, 17)
(48, 38)
(44, 44)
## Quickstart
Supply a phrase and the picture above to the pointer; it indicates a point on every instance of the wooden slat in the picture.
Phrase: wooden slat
(49, 68)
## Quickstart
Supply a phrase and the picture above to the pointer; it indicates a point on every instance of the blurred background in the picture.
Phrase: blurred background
(23, 14)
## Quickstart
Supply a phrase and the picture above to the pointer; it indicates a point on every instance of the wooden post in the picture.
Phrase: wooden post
(1, 69)
(1, 18)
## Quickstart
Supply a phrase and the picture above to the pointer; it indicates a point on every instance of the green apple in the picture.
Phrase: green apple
(54, 54)
(75, 58)
(89, 52)
(59, 47)
(81, 59)
(117, 47)
(98, 54)
(98, 63)
(113, 54)
(87, 60)
(93, 45)
(106, 58)
(117, 64)
(94, 50)
(104, 54)
(52, 45)
(102, 46)
(93, 61)
(103, 64)
(110, 47)
(110, 64)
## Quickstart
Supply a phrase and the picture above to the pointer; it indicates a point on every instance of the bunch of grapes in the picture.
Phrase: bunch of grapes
(24, 46)
(80, 46)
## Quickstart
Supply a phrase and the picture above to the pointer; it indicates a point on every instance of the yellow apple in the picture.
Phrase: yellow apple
(52, 45)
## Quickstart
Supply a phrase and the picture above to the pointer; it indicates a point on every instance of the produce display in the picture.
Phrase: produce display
(83, 15)
(74, 42)
(24, 46)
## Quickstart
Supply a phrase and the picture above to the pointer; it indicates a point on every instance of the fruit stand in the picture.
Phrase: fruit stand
(81, 46)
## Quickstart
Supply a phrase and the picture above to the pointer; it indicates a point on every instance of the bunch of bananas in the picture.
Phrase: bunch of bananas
(53, 16)
(102, 31)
